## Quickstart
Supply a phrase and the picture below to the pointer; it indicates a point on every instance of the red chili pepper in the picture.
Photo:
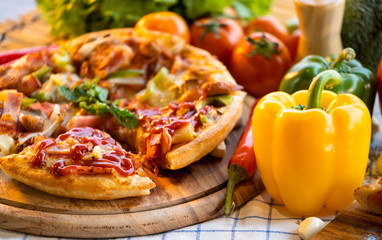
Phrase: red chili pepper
(242, 165)
(8, 56)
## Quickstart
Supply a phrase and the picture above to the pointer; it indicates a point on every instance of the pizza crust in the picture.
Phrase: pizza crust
(93, 187)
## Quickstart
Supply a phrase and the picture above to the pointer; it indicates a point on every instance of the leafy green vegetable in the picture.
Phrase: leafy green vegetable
(128, 12)
(124, 117)
(248, 9)
(70, 18)
(242, 11)
(195, 9)
(95, 108)
(89, 96)
(67, 93)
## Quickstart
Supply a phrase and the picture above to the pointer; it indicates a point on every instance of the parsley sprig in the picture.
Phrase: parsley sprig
(91, 97)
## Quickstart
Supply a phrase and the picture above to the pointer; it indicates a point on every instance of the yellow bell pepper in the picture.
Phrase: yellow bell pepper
(312, 156)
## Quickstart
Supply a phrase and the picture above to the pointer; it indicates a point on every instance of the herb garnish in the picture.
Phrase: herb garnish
(91, 97)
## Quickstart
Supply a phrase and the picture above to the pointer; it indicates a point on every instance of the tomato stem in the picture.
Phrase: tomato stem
(212, 26)
(263, 46)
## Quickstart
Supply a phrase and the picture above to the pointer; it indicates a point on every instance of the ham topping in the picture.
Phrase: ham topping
(11, 111)
(216, 88)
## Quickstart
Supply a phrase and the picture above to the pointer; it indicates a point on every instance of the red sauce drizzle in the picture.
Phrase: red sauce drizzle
(88, 138)
(119, 158)
(172, 117)
(39, 157)
(79, 133)
(78, 151)
(155, 119)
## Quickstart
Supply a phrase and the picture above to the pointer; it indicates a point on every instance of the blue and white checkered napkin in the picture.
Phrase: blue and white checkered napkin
(260, 218)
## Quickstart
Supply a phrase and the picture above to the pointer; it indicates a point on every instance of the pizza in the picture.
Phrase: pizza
(81, 163)
(370, 196)
(162, 103)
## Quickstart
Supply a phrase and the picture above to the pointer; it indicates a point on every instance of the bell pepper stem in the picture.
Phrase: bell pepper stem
(347, 54)
(236, 174)
(327, 79)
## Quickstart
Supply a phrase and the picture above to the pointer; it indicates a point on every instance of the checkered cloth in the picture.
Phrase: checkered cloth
(260, 218)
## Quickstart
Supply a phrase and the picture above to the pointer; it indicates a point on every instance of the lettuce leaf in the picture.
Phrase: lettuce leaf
(126, 13)
(70, 18)
(248, 9)
(197, 8)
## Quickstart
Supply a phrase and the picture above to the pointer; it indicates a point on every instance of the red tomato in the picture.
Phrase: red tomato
(270, 25)
(259, 62)
(168, 22)
(292, 44)
(219, 36)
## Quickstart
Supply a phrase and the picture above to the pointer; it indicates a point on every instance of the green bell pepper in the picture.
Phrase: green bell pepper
(356, 79)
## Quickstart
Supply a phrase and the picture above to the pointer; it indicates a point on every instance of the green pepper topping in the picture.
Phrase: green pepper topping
(126, 73)
(42, 96)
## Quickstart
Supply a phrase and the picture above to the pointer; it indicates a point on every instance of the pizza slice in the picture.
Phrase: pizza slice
(370, 196)
(82, 163)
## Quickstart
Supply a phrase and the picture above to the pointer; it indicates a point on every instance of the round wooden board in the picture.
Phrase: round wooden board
(181, 198)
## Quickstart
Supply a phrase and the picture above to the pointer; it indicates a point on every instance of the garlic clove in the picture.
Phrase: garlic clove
(310, 227)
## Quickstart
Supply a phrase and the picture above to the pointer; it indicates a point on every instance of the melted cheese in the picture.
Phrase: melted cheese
(7, 145)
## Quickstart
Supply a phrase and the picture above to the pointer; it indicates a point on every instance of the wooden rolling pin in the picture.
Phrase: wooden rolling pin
(320, 24)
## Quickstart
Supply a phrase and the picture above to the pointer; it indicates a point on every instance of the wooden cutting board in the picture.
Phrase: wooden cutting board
(354, 223)
(181, 198)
